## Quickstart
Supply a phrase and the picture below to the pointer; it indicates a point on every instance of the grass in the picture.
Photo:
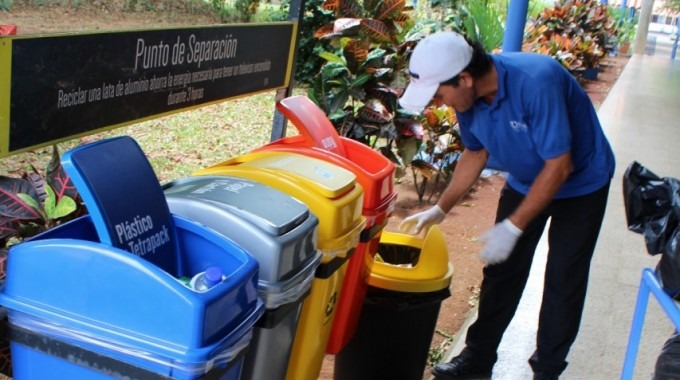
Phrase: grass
(176, 145)
(182, 143)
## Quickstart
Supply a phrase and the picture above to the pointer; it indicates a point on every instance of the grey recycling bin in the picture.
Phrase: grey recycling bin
(281, 233)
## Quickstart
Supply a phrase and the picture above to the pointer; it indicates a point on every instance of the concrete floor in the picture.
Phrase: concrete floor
(641, 117)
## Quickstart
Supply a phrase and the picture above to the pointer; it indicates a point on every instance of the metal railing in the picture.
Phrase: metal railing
(648, 284)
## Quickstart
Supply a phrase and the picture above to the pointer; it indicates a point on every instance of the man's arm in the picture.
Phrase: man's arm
(548, 182)
(467, 170)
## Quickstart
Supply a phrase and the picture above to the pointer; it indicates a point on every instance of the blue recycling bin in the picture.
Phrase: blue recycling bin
(85, 310)
(101, 297)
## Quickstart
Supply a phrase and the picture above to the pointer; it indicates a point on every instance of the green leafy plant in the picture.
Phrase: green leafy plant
(309, 48)
(34, 203)
(481, 21)
(235, 11)
(625, 29)
(5, 5)
(573, 32)
(358, 87)
(436, 159)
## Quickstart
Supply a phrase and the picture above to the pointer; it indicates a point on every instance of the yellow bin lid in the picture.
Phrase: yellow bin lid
(329, 191)
(331, 181)
(432, 272)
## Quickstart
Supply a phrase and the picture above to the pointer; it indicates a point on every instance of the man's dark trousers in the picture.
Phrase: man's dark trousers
(574, 228)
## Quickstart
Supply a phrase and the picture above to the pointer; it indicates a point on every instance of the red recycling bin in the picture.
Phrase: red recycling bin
(375, 173)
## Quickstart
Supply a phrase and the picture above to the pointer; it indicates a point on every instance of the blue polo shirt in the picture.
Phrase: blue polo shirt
(539, 112)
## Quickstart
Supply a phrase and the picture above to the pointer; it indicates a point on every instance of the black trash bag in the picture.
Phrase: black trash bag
(653, 210)
(652, 206)
(668, 363)
(398, 254)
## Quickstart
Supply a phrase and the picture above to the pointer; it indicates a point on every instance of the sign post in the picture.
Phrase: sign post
(58, 87)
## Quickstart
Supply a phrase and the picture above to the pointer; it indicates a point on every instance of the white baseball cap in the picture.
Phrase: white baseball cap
(436, 59)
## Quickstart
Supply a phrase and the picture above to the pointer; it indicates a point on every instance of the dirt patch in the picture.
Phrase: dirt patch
(461, 228)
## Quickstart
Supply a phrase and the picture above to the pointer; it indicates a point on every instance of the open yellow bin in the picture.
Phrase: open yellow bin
(432, 272)
(408, 282)
(334, 196)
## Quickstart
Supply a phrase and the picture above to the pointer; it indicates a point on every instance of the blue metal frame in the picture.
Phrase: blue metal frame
(677, 37)
(514, 26)
(648, 284)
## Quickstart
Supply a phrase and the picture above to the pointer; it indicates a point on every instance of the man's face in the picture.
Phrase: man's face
(460, 97)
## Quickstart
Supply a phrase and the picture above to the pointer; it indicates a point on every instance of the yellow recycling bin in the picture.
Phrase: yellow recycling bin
(399, 316)
(334, 196)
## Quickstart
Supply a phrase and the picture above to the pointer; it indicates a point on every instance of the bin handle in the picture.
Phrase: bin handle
(312, 123)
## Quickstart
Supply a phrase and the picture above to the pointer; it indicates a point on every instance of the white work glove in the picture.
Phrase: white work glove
(424, 219)
(500, 240)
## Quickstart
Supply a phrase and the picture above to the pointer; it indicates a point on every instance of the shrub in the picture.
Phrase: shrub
(34, 203)
(573, 32)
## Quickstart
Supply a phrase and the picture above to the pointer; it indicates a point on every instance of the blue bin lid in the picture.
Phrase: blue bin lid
(124, 198)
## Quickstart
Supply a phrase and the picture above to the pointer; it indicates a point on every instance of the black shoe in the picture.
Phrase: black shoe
(545, 376)
(460, 368)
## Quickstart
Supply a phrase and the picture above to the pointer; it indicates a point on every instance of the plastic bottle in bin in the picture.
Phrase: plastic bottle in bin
(203, 281)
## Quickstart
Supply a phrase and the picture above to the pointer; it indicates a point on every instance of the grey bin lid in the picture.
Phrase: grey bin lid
(275, 228)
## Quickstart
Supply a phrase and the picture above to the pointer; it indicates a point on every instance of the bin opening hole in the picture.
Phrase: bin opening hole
(396, 254)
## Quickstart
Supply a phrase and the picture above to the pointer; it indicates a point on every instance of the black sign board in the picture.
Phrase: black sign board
(68, 85)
